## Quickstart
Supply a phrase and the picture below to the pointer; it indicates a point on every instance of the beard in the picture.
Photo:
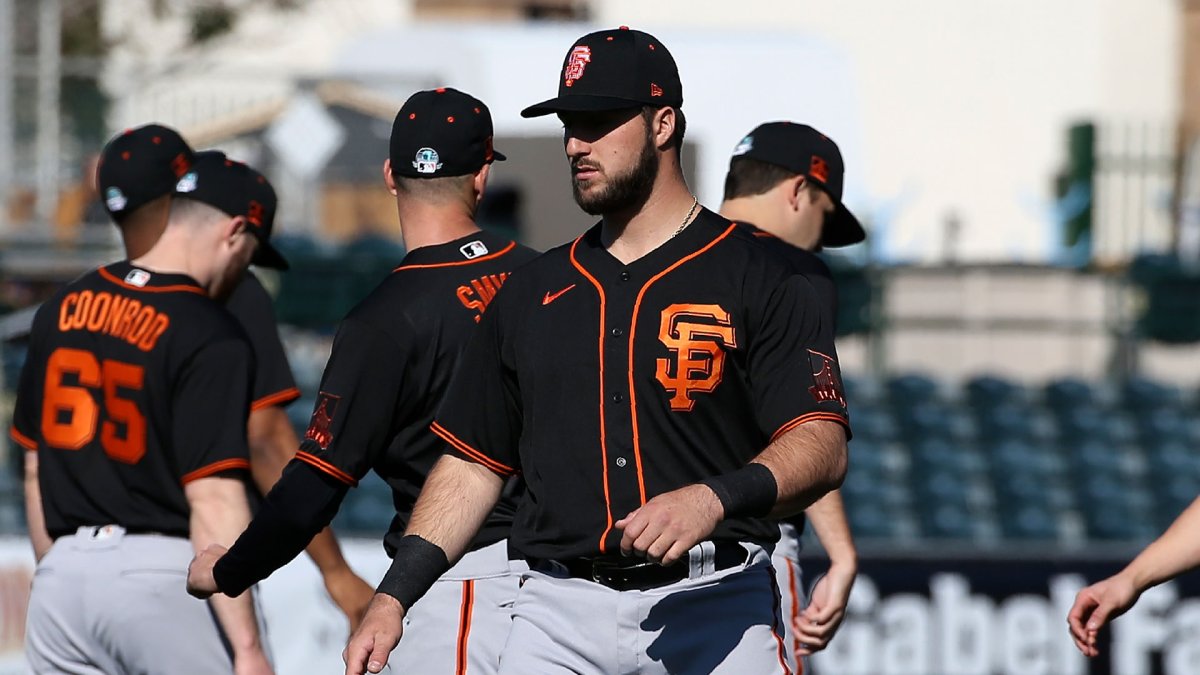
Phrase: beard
(624, 191)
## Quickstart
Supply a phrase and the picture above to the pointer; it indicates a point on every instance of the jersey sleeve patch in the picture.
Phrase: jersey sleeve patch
(827, 380)
(320, 426)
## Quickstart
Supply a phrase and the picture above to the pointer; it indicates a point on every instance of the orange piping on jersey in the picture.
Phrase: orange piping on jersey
(178, 288)
(22, 440)
(215, 468)
(764, 235)
(285, 396)
(603, 440)
(472, 261)
(323, 466)
(467, 450)
(776, 617)
(808, 417)
(464, 626)
(791, 567)
(637, 446)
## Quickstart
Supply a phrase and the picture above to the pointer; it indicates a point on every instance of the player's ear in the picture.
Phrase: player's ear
(662, 126)
(233, 228)
(388, 179)
(794, 188)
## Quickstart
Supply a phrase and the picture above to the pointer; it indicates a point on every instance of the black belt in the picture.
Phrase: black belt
(622, 573)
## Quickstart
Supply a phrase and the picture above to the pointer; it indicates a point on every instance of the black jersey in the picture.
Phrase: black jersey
(135, 384)
(810, 265)
(251, 305)
(606, 384)
(391, 362)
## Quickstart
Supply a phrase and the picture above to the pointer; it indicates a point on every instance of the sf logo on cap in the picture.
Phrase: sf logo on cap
(427, 161)
(580, 57)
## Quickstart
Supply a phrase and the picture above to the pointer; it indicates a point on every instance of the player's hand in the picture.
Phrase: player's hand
(200, 581)
(819, 622)
(667, 526)
(1097, 605)
(350, 593)
(376, 637)
(252, 662)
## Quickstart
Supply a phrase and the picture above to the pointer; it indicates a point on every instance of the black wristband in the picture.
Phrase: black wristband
(751, 491)
(417, 564)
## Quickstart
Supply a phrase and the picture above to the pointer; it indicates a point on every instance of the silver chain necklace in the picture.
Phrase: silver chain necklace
(688, 217)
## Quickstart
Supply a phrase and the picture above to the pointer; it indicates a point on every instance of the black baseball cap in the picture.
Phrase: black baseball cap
(804, 150)
(441, 132)
(140, 165)
(612, 70)
(238, 190)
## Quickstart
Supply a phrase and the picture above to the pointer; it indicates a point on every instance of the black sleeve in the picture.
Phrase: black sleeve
(209, 409)
(794, 372)
(480, 417)
(251, 305)
(352, 421)
(302, 503)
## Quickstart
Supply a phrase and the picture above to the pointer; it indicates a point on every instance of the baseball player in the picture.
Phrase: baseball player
(1172, 554)
(134, 396)
(784, 185)
(660, 385)
(140, 210)
(391, 362)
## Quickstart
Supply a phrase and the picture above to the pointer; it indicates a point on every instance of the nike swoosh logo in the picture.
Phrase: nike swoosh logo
(551, 297)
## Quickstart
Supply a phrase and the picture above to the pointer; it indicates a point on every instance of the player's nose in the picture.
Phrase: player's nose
(575, 147)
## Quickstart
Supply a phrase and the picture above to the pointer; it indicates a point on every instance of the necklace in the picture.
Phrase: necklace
(688, 217)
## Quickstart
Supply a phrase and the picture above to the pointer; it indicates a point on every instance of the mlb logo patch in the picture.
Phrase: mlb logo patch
(473, 250)
(187, 183)
(137, 278)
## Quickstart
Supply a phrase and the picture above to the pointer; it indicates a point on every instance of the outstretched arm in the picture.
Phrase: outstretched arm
(455, 502)
(1172, 554)
(273, 444)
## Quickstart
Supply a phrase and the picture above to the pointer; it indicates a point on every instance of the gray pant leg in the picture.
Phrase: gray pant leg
(463, 621)
(785, 560)
(562, 626)
(133, 613)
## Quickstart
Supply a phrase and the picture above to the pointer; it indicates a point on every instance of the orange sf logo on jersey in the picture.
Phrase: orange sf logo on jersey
(477, 294)
(697, 336)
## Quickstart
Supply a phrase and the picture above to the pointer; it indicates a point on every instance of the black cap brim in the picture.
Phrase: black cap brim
(267, 255)
(580, 103)
(498, 156)
(843, 230)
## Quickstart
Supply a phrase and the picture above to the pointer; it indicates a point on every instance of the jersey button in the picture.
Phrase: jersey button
(617, 332)
(617, 398)
(625, 275)
(621, 462)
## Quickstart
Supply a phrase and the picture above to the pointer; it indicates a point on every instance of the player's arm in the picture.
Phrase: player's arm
(351, 425)
(35, 517)
(819, 622)
(219, 512)
(24, 422)
(273, 444)
(1172, 554)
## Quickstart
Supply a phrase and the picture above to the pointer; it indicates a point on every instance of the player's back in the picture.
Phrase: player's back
(406, 337)
(134, 385)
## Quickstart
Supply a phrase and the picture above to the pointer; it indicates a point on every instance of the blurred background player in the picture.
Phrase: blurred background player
(391, 362)
(135, 395)
(785, 185)
(139, 208)
(1172, 554)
